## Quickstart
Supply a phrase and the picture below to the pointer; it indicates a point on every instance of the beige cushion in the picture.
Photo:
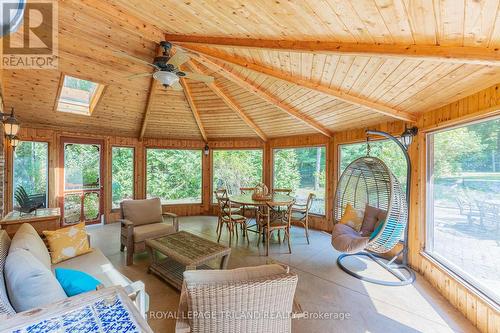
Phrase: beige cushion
(347, 240)
(143, 232)
(29, 283)
(142, 211)
(98, 266)
(371, 218)
(233, 275)
(27, 238)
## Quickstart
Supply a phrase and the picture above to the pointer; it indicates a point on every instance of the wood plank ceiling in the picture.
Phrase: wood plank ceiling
(281, 67)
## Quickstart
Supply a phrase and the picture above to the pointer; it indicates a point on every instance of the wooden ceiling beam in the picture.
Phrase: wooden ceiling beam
(454, 54)
(273, 100)
(194, 109)
(335, 93)
(229, 102)
(147, 111)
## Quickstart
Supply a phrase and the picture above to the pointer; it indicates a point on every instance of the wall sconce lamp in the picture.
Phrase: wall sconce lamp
(206, 150)
(407, 136)
(11, 127)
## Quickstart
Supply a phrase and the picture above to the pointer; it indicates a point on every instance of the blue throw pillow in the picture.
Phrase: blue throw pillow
(75, 282)
(377, 230)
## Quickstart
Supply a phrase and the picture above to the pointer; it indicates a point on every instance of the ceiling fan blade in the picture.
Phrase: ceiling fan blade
(178, 59)
(198, 77)
(134, 76)
(176, 86)
(127, 56)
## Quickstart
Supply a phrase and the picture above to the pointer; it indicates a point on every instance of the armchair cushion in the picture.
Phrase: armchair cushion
(233, 275)
(143, 232)
(142, 212)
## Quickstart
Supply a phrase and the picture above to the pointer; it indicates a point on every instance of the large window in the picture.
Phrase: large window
(234, 169)
(303, 171)
(386, 150)
(122, 178)
(174, 175)
(463, 203)
(31, 170)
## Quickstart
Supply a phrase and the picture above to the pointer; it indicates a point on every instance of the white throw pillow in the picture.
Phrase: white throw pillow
(29, 283)
(27, 238)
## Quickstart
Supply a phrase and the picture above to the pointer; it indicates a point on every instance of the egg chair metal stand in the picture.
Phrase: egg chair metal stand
(368, 181)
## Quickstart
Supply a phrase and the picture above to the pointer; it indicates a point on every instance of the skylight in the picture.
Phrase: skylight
(78, 96)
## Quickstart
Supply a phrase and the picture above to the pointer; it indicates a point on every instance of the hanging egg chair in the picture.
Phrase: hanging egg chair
(367, 183)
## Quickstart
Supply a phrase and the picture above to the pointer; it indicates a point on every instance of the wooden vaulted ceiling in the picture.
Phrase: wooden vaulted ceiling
(281, 67)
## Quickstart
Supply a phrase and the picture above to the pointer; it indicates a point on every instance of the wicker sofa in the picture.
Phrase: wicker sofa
(32, 247)
(143, 219)
(250, 299)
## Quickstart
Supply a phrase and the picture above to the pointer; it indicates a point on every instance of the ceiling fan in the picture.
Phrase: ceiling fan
(167, 70)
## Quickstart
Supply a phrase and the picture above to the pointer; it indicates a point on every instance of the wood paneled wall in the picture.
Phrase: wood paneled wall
(479, 310)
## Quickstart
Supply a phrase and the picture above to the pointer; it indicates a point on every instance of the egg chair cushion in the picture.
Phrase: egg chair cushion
(352, 217)
(371, 219)
(347, 240)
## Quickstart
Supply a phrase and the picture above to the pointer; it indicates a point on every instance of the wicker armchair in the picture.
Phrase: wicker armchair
(231, 296)
(141, 220)
(300, 214)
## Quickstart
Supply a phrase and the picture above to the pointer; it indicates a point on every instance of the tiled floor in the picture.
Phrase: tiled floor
(322, 287)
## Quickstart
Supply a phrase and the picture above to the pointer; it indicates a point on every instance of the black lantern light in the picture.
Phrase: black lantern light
(14, 142)
(407, 136)
(10, 124)
(206, 150)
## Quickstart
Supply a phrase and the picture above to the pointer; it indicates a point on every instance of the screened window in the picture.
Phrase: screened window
(174, 176)
(122, 178)
(31, 170)
(233, 169)
(78, 96)
(387, 151)
(303, 171)
(463, 203)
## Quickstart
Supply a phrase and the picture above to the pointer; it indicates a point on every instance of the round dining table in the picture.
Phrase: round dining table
(246, 200)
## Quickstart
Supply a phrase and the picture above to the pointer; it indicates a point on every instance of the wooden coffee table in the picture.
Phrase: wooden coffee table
(173, 254)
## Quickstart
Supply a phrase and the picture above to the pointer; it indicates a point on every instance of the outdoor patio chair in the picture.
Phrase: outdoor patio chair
(489, 216)
(143, 219)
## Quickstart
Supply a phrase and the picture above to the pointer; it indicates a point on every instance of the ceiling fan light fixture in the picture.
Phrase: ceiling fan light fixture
(166, 78)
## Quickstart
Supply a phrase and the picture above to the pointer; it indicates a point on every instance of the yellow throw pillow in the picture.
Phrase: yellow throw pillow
(352, 217)
(68, 242)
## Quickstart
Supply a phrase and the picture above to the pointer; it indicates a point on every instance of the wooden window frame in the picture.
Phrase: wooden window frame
(145, 166)
(327, 177)
(116, 209)
(212, 168)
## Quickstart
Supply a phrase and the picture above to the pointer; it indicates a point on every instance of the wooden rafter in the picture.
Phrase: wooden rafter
(194, 109)
(249, 86)
(338, 94)
(455, 54)
(147, 110)
(230, 103)
(335, 93)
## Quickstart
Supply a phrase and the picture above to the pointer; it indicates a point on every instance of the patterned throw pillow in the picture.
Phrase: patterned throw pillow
(68, 242)
(352, 217)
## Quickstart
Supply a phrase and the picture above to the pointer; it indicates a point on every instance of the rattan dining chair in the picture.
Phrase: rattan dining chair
(276, 219)
(222, 194)
(230, 219)
(300, 214)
